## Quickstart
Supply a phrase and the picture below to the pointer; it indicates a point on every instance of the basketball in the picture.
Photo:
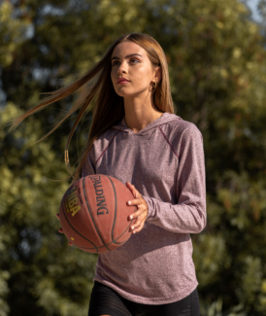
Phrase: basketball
(94, 213)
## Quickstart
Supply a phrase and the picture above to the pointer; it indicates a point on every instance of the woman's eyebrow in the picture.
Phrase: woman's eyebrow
(128, 56)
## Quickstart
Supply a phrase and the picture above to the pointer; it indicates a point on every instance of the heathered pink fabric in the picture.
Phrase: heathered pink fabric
(165, 162)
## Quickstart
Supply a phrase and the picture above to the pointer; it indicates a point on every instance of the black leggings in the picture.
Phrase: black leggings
(105, 301)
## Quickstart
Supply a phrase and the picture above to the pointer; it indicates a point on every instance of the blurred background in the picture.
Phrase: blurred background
(216, 52)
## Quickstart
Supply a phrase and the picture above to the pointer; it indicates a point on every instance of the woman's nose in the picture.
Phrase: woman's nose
(122, 69)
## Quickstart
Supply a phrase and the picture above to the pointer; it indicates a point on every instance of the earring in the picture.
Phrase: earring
(155, 85)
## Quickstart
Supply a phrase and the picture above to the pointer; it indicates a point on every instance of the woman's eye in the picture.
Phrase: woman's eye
(131, 61)
(134, 61)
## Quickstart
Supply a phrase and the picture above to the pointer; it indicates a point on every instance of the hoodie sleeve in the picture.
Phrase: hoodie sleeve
(189, 214)
(88, 166)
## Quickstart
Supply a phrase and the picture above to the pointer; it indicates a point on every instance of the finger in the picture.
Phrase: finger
(60, 230)
(138, 227)
(57, 215)
(136, 201)
(130, 185)
(139, 212)
(132, 189)
(134, 215)
(137, 230)
(140, 219)
(136, 222)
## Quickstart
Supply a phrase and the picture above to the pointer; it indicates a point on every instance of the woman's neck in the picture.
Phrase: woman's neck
(140, 113)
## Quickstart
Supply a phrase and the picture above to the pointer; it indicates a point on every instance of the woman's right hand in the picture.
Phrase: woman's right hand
(61, 230)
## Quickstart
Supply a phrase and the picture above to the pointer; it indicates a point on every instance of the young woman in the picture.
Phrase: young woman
(136, 137)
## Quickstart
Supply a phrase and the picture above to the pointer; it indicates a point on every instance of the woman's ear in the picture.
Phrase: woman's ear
(158, 74)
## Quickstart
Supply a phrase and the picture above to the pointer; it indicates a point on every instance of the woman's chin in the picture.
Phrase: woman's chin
(128, 94)
(123, 94)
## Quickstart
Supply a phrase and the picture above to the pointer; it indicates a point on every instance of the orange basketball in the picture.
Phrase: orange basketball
(94, 213)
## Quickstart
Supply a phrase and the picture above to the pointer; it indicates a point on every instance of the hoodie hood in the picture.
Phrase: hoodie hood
(165, 118)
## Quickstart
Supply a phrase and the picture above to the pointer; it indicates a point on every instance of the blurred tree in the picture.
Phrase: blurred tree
(39, 273)
(45, 276)
(12, 33)
(217, 70)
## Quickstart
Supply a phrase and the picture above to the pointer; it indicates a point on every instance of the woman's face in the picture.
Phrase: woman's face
(132, 72)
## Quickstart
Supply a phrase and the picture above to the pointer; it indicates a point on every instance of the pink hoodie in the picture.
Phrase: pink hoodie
(165, 162)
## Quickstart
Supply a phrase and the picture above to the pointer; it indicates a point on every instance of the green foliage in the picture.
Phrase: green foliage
(45, 276)
(217, 67)
(12, 32)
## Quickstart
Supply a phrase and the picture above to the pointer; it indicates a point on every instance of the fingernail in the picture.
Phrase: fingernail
(132, 227)
(131, 216)
(60, 230)
(129, 202)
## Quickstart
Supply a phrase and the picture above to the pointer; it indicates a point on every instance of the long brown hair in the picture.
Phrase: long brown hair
(109, 107)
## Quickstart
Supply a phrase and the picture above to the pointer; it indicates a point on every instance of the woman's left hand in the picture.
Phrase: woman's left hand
(141, 214)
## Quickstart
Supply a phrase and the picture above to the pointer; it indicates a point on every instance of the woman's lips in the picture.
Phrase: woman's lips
(122, 81)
